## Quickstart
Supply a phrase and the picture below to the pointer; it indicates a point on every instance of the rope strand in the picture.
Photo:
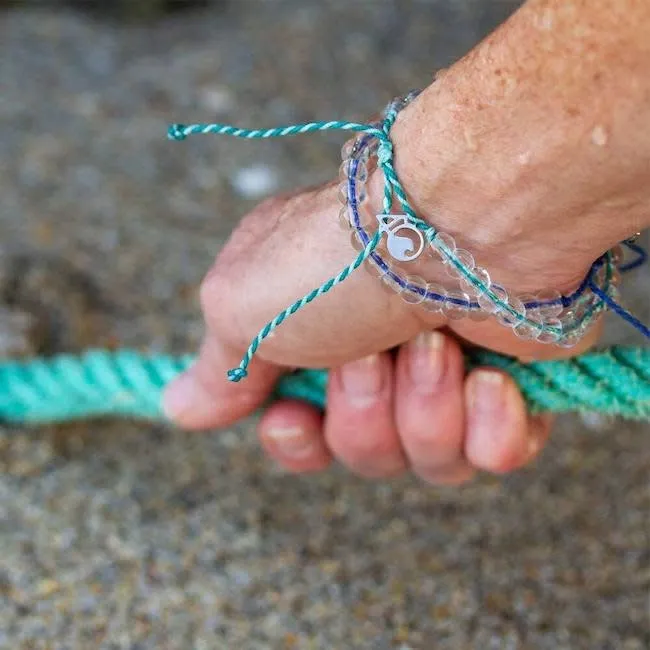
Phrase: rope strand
(125, 383)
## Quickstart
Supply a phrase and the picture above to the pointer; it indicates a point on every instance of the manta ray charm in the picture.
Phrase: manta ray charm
(403, 249)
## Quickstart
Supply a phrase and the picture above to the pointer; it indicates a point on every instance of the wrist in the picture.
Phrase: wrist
(511, 178)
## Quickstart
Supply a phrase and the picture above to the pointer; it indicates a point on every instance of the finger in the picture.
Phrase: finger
(203, 398)
(429, 407)
(291, 434)
(498, 437)
(359, 424)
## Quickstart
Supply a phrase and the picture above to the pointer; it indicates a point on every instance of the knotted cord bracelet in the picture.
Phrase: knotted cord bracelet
(531, 317)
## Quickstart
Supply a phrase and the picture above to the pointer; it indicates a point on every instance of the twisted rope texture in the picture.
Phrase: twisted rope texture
(125, 383)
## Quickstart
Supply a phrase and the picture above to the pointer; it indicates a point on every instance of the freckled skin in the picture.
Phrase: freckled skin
(563, 87)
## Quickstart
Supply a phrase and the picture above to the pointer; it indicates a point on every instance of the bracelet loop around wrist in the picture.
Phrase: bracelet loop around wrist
(391, 241)
(461, 288)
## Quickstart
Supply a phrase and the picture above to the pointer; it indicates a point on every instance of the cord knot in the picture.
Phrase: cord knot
(176, 132)
(385, 152)
(237, 374)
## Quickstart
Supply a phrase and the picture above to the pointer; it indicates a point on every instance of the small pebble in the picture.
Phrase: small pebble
(596, 421)
(16, 333)
(217, 99)
(255, 181)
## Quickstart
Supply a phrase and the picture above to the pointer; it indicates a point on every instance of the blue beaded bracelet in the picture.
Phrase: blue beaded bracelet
(549, 317)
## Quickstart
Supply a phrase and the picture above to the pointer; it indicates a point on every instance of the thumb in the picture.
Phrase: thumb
(203, 398)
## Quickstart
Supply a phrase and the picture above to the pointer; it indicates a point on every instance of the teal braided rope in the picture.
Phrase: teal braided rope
(182, 131)
(128, 384)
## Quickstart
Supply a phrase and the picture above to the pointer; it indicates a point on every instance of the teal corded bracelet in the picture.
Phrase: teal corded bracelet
(548, 317)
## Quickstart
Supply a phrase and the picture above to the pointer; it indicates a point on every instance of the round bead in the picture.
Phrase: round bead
(364, 155)
(506, 318)
(459, 308)
(570, 340)
(600, 275)
(395, 105)
(527, 300)
(550, 296)
(361, 193)
(445, 241)
(372, 150)
(486, 302)
(577, 311)
(617, 255)
(373, 268)
(435, 303)
(356, 242)
(414, 294)
(347, 149)
(478, 315)
(614, 293)
(527, 331)
(362, 172)
(482, 276)
(344, 218)
(344, 170)
(546, 336)
(343, 193)
(389, 285)
(466, 259)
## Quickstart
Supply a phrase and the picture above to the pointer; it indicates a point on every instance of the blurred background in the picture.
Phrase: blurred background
(117, 535)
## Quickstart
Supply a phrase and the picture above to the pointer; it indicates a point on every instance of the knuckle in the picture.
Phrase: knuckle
(220, 304)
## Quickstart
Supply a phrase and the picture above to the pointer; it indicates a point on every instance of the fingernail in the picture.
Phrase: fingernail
(292, 442)
(182, 395)
(486, 393)
(427, 361)
(362, 380)
(534, 445)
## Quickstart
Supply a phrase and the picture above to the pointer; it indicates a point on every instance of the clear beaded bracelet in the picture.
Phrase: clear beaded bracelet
(547, 317)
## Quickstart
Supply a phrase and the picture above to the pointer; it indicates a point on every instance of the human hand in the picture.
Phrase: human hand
(385, 413)
(288, 246)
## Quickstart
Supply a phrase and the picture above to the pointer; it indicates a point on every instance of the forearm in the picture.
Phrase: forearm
(551, 112)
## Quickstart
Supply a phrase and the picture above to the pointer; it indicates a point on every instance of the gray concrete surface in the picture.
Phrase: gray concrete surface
(116, 535)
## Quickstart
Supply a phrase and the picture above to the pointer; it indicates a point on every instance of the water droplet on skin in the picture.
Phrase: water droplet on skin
(546, 20)
(470, 140)
(599, 136)
(524, 158)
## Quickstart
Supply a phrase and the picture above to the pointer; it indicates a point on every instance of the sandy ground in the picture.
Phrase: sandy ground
(115, 535)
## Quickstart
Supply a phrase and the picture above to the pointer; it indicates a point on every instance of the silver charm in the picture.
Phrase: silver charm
(403, 249)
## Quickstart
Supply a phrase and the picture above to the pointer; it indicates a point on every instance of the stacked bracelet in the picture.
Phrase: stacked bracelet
(547, 317)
